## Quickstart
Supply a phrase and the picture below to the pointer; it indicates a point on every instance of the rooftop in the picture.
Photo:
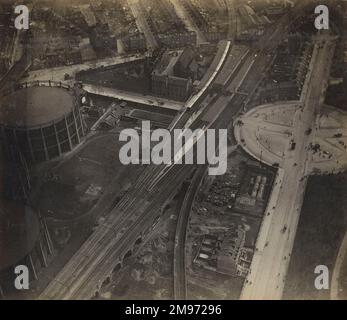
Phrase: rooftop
(34, 106)
(167, 63)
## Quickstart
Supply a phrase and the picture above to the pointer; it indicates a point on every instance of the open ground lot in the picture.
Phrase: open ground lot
(75, 185)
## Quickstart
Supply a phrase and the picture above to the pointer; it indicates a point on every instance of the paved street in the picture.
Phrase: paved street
(188, 21)
(266, 133)
(58, 73)
(142, 24)
(276, 237)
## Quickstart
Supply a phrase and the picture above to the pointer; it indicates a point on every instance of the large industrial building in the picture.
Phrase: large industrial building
(42, 122)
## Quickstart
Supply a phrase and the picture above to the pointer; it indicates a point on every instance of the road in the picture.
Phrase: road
(140, 16)
(276, 237)
(58, 73)
(232, 6)
(188, 21)
(266, 131)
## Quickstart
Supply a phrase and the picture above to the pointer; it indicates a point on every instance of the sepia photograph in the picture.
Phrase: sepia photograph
(173, 150)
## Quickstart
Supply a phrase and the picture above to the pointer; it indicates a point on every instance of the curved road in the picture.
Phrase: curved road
(277, 233)
(180, 283)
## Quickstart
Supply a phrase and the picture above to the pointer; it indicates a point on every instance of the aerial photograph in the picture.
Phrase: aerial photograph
(173, 150)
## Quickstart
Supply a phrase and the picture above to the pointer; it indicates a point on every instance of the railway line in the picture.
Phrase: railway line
(180, 263)
(125, 225)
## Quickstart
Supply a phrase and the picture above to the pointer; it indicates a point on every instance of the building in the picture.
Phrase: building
(234, 257)
(16, 178)
(226, 253)
(178, 40)
(172, 76)
(40, 122)
(252, 25)
(134, 42)
(182, 67)
(102, 40)
(88, 15)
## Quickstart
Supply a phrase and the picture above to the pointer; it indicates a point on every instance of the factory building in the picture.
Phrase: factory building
(40, 122)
